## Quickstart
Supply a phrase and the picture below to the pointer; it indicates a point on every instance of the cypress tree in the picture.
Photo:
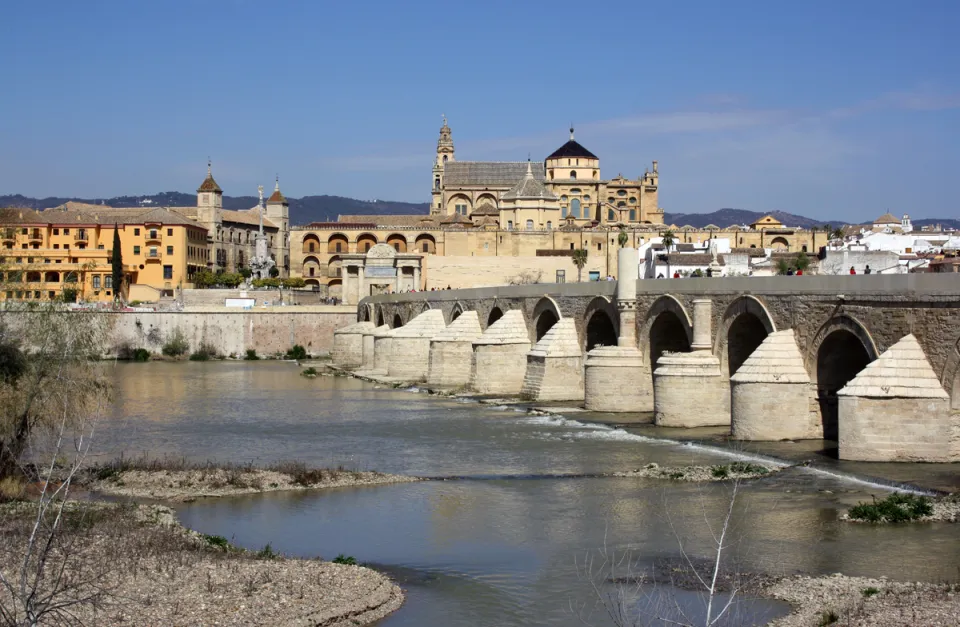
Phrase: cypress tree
(116, 262)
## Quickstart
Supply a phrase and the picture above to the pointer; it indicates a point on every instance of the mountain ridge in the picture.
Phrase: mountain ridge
(325, 208)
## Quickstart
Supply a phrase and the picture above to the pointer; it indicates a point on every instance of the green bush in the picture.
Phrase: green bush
(251, 355)
(206, 352)
(216, 541)
(176, 344)
(349, 560)
(897, 507)
(141, 354)
(297, 352)
(310, 372)
(69, 295)
(267, 553)
(869, 592)
(720, 472)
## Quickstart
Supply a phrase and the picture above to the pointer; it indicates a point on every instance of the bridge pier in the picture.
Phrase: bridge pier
(688, 388)
(410, 348)
(382, 343)
(451, 352)
(367, 347)
(555, 365)
(770, 393)
(348, 345)
(500, 356)
(896, 410)
(614, 376)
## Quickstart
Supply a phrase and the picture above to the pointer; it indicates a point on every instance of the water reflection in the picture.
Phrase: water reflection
(494, 551)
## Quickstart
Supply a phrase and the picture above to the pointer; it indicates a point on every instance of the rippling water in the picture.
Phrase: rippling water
(500, 545)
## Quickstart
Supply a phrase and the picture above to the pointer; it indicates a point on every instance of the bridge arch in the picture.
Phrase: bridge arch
(601, 324)
(495, 314)
(841, 348)
(456, 312)
(380, 321)
(743, 327)
(667, 327)
(397, 321)
(546, 313)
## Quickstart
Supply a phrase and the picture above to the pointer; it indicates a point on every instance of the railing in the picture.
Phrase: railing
(9, 234)
(154, 235)
(35, 234)
(81, 236)
(153, 255)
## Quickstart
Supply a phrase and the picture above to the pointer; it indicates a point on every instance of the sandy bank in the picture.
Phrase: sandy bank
(137, 565)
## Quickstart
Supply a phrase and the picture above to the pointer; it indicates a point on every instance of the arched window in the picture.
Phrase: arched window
(563, 198)
(575, 207)
(575, 190)
(621, 193)
(549, 226)
(312, 270)
(586, 198)
(610, 199)
(633, 200)
(633, 215)
(529, 225)
(611, 215)
(621, 204)
(444, 158)
(339, 247)
(436, 183)
(563, 212)
(573, 174)
(311, 246)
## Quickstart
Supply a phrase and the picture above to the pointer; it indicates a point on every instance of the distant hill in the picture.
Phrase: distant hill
(327, 208)
(302, 210)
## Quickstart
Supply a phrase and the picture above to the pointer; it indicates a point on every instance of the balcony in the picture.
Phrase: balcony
(36, 235)
(8, 235)
(81, 236)
(153, 255)
(154, 235)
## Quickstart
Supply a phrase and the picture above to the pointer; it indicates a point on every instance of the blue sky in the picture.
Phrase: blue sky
(829, 109)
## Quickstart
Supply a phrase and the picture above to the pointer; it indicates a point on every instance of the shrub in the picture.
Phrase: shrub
(897, 507)
(12, 489)
(69, 295)
(204, 353)
(828, 617)
(310, 372)
(720, 472)
(216, 541)
(747, 468)
(869, 592)
(134, 303)
(141, 354)
(297, 352)
(267, 553)
(349, 560)
(251, 355)
(176, 344)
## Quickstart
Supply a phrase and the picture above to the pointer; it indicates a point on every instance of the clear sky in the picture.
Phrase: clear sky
(832, 109)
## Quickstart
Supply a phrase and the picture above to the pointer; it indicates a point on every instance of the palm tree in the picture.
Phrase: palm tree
(623, 238)
(669, 239)
(580, 260)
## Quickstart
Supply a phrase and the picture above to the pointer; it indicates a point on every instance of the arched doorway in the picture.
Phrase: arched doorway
(495, 314)
(380, 321)
(840, 358)
(746, 333)
(600, 331)
(668, 333)
(397, 321)
(779, 242)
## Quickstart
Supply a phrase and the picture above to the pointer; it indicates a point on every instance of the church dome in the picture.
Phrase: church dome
(572, 150)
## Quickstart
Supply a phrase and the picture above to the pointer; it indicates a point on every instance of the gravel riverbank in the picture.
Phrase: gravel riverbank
(135, 565)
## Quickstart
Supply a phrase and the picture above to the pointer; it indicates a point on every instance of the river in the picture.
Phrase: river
(501, 536)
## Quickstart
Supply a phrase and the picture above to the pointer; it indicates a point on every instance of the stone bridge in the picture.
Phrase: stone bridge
(872, 362)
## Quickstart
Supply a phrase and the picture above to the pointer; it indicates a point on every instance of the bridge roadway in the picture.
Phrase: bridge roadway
(685, 338)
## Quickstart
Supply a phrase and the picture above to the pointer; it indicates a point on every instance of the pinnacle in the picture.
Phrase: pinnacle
(902, 371)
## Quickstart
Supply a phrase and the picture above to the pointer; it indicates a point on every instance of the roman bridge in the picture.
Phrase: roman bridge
(872, 362)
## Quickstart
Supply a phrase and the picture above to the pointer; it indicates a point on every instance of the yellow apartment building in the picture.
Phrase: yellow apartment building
(44, 252)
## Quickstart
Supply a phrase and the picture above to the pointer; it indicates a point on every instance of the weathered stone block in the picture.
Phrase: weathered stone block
(348, 345)
(451, 352)
(410, 349)
(898, 430)
(689, 391)
(555, 365)
(616, 380)
(367, 361)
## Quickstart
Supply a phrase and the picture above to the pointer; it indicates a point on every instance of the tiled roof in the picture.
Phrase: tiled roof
(887, 218)
(99, 214)
(14, 215)
(572, 150)
(485, 209)
(487, 173)
(529, 187)
(276, 196)
(250, 216)
(455, 220)
(418, 219)
(693, 259)
(753, 252)
(209, 185)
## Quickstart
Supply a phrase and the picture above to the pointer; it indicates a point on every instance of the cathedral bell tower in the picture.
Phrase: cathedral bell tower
(209, 202)
(444, 154)
(278, 212)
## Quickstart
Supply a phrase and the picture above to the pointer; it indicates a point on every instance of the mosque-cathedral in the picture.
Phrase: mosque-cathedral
(537, 213)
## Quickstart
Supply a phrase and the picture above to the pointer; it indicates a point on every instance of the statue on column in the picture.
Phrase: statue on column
(261, 263)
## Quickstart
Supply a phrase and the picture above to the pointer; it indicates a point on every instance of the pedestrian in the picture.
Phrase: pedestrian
(676, 274)
(852, 270)
(799, 272)
(867, 269)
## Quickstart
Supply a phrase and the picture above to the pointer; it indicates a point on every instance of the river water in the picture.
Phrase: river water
(502, 535)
